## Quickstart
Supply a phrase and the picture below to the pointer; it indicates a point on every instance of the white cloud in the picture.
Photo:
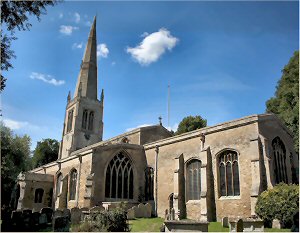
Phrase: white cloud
(153, 46)
(61, 15)
(12, 124)
(102, 50)
(145, 34)
(46, 78)
(113, 63)
(77, 45)
(139, 126)
(77, 17)
(67, 29)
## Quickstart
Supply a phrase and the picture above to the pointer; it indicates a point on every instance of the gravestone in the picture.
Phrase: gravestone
(84, 213)
(61, 224)
(43, 219)
(140, 211)
(130, 214)
(57, 213)
(36, 217)
(27, 218)
(148, 210)
(225, 222)
(75, 215)
(276, 224)
(16, 219)
(67, 214)
(48, 212)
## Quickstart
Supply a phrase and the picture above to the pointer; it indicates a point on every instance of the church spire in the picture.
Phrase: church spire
(87, 78)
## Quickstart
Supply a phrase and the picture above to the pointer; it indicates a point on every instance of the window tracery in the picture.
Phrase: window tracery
(73, 184)
(193, 177)
(279, 158)
(149, 184)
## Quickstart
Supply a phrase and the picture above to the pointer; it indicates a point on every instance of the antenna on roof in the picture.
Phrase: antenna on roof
(168, 105)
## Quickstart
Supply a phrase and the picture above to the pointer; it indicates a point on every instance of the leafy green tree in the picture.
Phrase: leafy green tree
(285, 103)
(15, 158)
(280, 202)
(14, 14)
(191, 123)
(45, 152)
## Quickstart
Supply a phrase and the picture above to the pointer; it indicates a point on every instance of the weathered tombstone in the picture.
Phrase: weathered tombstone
(140, 213)
(67, 214)
(276, 224)
(43, 219)
(130, 214)
(75, 215)
(27, 218)
(148, 210)
(48, 212)
(36, 218)
(61, 224)
(57, 213)
(225, 222)
(16, 219)
(239, 226)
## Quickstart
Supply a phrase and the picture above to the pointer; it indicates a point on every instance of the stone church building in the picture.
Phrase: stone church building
(207, 174)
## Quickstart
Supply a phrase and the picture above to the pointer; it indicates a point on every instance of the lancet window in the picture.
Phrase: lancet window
(70, 120)
(38, 197)
(193, 179)
(149, 183)
(229, 183)
(119, 178)
(87, 120)
(73, 184)
(279, 158)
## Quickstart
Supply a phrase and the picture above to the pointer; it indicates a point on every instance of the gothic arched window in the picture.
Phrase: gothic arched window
(193, 179)
(84, 119)
(73, 184)
(119, 178)
(70, 120)
(229, 182)
(91, 120)
(149, 184)
(38, 197)
(279, 158)
(59, 184)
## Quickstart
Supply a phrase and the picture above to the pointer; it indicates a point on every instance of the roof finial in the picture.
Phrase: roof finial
(160, 118)
(102, 95)
(69, 97)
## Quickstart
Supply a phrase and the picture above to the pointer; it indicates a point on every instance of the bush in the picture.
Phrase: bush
(113, 220)
(281, 202)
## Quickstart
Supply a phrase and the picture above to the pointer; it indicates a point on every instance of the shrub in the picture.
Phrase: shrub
(281, 202)
(113, 220)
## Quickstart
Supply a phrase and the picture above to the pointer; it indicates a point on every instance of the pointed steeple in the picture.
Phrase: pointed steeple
(87, 78)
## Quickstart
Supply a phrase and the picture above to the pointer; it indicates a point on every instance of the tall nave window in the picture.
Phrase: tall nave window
(229, 183)
(119, 178)
(193, 179)
(279, 158)
(73, 184)
(149, 184)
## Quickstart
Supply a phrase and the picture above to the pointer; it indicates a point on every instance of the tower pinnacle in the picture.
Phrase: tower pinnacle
(87, 77)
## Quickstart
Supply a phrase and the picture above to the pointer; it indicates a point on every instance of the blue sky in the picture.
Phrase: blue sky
(222, 60)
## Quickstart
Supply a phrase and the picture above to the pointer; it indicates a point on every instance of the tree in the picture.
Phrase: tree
(191, 123)
(14, 14)
(45, 152)
(15, 158)
(280, 202)
(285, 103)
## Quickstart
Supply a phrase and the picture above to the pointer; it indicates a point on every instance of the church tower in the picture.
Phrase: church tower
(83, 125)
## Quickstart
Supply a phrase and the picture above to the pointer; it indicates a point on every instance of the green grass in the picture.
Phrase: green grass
(277, 230)
(217, 227)
(146, 224)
